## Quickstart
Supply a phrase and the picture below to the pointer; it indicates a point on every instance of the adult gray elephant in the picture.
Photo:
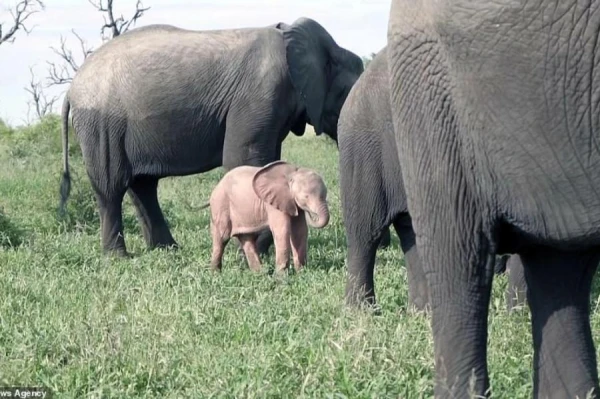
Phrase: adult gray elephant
(163, 101)
(496, 116)
(372, 196)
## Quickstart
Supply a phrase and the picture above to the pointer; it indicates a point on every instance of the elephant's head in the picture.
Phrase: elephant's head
(321, 72)
(289, 188)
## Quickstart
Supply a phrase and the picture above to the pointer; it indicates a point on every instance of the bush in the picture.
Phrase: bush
(5, 130)
(10, 235)
(38, 139)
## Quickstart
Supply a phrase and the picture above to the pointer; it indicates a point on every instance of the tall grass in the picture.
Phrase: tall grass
(162, 325)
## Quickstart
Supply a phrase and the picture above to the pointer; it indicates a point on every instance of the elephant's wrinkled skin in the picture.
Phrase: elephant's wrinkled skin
(280, 197)
(162, 101)
(372, 196)
(496, 109)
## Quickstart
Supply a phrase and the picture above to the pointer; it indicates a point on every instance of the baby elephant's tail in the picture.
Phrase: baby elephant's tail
(199, 208)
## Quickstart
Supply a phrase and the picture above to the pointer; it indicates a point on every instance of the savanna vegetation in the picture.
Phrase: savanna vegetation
(163, 325)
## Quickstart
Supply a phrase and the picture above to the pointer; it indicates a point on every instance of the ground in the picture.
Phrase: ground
(163, 325)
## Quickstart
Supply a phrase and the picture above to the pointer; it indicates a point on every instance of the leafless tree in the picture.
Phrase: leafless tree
(22, 11)
(64, 72)
(39, 103)
(118, 25)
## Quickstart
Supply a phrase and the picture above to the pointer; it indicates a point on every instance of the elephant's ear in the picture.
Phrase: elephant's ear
(272, 185)
(306, 47)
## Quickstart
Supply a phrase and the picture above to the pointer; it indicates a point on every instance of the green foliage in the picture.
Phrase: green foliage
(5, 130)
(162, 325)
(10, 235)
(36, 140)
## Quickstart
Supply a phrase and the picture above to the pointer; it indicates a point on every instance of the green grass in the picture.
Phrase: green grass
(162, 325)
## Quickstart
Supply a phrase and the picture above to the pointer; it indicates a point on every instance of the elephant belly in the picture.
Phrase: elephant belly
(171, 149)
(245, 223)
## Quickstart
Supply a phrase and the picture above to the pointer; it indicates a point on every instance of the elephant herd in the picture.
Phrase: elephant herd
(475, 133)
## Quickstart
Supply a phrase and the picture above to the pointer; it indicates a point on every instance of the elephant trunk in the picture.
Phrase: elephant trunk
(320, 218)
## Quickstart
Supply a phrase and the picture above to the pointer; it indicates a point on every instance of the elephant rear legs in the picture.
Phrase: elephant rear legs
(111, 222)
(143, 193)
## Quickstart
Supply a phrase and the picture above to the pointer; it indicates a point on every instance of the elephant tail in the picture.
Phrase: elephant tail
(65, 184)
(204, 206)
(197, 208)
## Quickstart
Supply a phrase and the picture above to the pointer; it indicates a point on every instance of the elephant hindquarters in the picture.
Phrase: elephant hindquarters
(108, 169)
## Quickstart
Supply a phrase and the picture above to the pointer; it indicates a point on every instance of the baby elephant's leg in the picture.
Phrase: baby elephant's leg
(299, 241)
(248, 243)
(220, 238)
(280, 226)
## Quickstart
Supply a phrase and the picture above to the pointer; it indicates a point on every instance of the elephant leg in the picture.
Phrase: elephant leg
(299, 241)
(418, 292)
(220, 238)
(248, 244)
(360, 284)
(455, 242)
(558, 293)
(264, 242)
(386, 239)
(362, 250)
(516, 292)
(111, 222)
(281, 228)
(459, 269)
(110, 174)
(143, 193)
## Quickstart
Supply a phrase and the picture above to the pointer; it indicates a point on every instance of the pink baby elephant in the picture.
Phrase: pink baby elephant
(251, 199)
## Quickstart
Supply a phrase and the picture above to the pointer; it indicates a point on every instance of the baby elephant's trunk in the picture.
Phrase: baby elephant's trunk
(320, 218)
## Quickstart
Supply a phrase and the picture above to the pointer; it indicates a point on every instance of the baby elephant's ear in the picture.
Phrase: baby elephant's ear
(272, 185)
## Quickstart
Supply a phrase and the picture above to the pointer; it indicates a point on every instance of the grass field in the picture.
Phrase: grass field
(162, 325)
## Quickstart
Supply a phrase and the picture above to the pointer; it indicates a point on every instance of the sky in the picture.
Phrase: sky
(358, 25)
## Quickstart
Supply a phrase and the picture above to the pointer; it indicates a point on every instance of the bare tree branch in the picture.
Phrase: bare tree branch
(59, 74)
(63, 74)
(117, 25)
(23, 10)
(41, 104)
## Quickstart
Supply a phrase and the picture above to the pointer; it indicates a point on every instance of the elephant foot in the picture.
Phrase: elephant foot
(169, 246)
(281, 276)
(418, 298)
(161, 240)
(359, 299)
(118, 253)
(367, 304)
